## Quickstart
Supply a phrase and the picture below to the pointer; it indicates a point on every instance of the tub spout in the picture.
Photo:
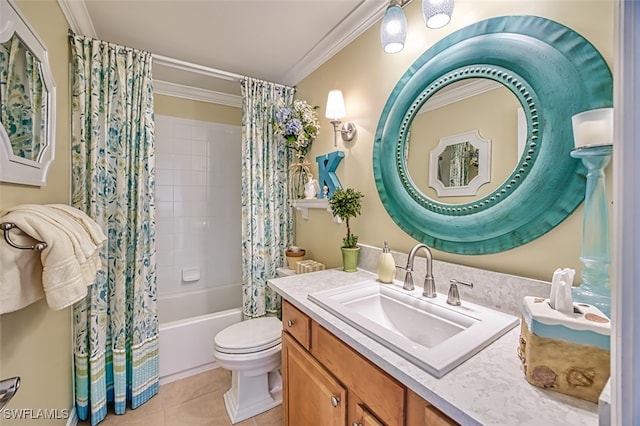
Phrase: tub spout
(8, 388)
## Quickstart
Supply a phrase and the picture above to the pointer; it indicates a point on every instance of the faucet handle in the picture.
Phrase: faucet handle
(453, 297)
(408, 278)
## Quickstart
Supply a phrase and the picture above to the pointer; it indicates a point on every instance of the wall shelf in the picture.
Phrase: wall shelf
(303, 207)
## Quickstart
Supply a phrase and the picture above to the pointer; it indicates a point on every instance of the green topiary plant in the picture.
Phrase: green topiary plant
(346, 203)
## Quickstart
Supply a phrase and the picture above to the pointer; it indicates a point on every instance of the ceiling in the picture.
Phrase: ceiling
(209, 44)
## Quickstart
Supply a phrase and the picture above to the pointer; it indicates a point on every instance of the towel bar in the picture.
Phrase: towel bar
(7, 226)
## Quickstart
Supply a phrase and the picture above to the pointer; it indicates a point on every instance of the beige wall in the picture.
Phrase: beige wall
(35, 342)
(367, 76)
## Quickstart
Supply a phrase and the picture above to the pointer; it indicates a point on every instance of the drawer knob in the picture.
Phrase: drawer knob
(290, 323)
(335, 401)
(357, 424)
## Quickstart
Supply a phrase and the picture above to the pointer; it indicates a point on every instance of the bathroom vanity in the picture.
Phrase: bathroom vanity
(330, 383)
(334, 374)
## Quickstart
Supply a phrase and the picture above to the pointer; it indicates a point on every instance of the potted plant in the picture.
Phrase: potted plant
(345, 204)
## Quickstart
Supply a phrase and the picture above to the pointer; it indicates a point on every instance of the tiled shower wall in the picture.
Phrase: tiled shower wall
(198, 184)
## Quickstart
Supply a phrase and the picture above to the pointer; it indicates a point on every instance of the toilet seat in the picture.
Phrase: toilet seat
(249, 336)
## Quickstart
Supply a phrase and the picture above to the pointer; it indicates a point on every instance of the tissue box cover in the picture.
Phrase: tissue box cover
(309, 265)
(567, 353)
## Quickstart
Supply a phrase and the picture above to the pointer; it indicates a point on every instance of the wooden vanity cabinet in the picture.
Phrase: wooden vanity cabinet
(297, 324)
(422, 413)
(368, 385)
(326, 382)
(365, 418)
(311, 395)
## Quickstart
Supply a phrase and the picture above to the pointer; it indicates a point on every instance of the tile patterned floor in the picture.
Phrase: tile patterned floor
(194, 401)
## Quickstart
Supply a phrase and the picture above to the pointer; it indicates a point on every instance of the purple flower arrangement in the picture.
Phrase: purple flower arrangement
(298, 125)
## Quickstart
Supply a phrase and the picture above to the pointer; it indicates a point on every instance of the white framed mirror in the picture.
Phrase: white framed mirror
(460, 164)
(27, 102)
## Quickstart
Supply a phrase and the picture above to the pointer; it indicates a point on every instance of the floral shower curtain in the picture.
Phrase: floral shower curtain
(112, 148)
(266, 216)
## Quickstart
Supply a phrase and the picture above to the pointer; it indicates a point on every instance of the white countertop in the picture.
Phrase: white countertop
(488, 389)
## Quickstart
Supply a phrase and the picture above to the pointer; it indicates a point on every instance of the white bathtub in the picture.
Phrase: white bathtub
(186, 345)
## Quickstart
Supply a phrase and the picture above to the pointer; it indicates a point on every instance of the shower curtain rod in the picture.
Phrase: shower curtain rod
(199, 69)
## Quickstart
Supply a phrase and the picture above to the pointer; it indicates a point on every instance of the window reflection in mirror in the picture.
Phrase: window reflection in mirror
(22, 104)
(466, 105)
(458, 165)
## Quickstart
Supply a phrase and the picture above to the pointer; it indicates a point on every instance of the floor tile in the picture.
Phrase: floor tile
(193, 401)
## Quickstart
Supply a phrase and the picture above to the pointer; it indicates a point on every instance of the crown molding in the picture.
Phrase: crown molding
(359, 20)
(195, 68)
(196, 94)
(352, 26)
(446, 97)
(77, 16)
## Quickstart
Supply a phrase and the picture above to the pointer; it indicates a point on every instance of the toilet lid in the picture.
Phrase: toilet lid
(249, 336)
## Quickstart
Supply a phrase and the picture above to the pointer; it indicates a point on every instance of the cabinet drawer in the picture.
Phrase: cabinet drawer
(422, 413)
(380, 392)
(296, 324)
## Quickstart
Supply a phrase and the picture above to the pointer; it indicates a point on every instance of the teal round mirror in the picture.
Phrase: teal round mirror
(554, 73)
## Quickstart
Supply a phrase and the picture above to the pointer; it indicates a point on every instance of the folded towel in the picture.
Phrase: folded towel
(69, 262)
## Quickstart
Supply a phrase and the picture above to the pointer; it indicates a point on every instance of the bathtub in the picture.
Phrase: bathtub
(187, 329)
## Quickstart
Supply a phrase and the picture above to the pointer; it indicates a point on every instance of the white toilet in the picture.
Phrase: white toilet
(251, 351)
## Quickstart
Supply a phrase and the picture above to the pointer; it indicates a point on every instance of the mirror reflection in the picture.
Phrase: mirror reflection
(474, 104)
(457, 165)
(22, 104)
(460, 164)
(27, 102)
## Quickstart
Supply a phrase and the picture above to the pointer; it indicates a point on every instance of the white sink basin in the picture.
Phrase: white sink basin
(428, 332)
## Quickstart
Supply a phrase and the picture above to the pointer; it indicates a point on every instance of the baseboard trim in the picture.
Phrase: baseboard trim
(187, 373)
(73, 417)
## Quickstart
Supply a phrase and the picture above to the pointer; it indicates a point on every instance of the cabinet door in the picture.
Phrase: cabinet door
(312, 397)
(382, 394)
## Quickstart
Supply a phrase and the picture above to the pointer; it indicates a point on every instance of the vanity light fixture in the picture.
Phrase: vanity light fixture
(393, 31)
(437, 13)
(335, 111)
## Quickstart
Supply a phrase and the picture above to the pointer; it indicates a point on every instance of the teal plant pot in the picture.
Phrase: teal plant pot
(350, 259)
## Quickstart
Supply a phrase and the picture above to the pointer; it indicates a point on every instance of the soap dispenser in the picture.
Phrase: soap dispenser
(386, 265)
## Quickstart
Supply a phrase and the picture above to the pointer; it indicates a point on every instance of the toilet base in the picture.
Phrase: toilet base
(258, 394)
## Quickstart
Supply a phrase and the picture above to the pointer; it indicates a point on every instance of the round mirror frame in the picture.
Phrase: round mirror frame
(555, 73)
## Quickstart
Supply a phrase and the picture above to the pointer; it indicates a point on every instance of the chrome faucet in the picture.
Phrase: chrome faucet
(429, 289)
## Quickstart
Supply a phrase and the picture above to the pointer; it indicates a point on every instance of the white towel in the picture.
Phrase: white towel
(20, 273)
(69, 262)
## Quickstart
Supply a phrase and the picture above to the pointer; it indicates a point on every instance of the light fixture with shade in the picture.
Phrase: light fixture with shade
(437, 13)
(335, 111)
(393, 31)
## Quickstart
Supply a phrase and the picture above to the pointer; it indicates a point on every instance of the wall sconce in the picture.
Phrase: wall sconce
(336, 111)
(393, 31)
(437, 13)
(593, 138)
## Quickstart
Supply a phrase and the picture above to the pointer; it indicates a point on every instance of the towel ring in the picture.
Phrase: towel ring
(7, 226)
